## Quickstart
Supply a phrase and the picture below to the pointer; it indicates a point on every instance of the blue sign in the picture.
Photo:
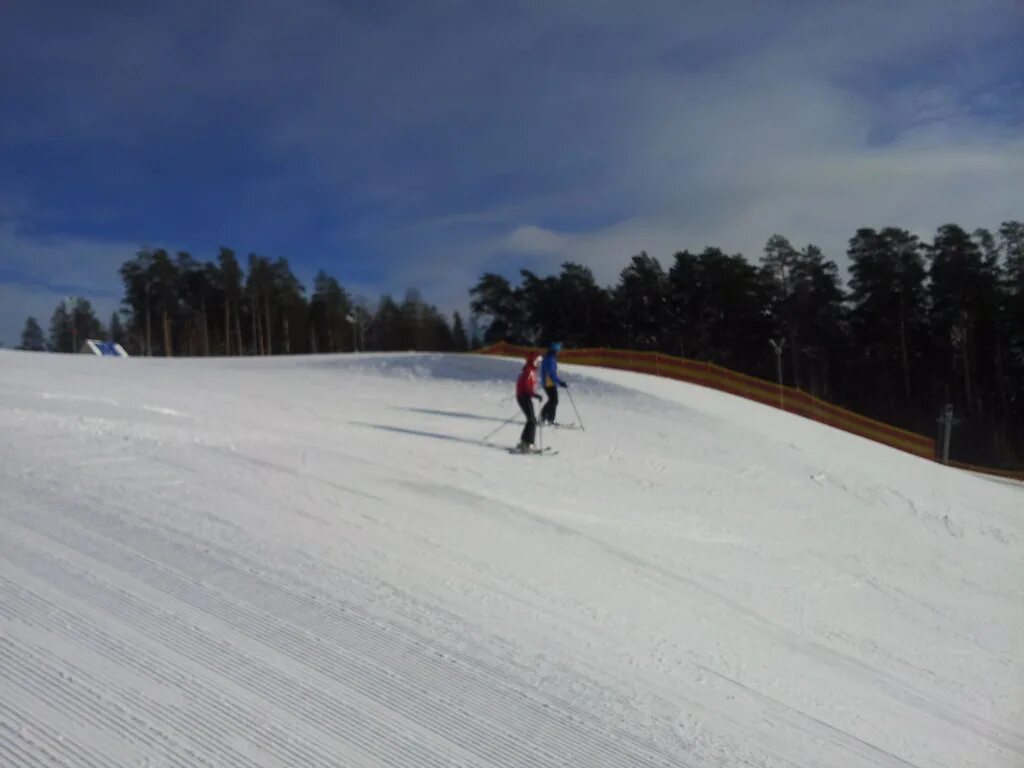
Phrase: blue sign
(107, 348)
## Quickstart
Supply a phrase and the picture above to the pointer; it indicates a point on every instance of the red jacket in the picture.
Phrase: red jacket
(526, 384)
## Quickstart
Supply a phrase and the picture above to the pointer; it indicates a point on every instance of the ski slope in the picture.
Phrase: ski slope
(319, 562)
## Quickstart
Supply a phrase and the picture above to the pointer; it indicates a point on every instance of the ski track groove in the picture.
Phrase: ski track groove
(196, 727)
(214, 714)
(289, 598)
(53, 744)
(279, 601)
(274, 691)
(16, 753)
(12, 751)
(284, 681)
(45, 681)
(322, 613)
(564, 745)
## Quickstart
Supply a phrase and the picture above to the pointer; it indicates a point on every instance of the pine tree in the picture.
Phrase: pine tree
(717, 308)
(965, 299)
(642, 306)
(778, 262)
(73, 322)
(385, 332)
(227, 277)
(259, 291)
(888, 323)
(413, 331)
(292, 308)
(330, 313)
(116, 332)
(195, 291)
(1011, 244)
(138, 299)
(443, 336)
(956, 275)
(497, 303)
(584, 309)
(460, 342)
(32, 339)
(87, 325)
(362, 326)
(817, 310)
(163, 280)
(61, 337)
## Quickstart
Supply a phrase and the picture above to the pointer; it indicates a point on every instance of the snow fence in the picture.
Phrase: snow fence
(784, 397)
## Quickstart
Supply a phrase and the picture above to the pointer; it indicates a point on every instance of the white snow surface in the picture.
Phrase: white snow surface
(318, 561)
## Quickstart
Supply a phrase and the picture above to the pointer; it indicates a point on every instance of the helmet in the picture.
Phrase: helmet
(556, 346)
(536, 360)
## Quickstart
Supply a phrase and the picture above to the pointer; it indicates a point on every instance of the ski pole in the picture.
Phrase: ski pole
(578, 419)
(495, 430)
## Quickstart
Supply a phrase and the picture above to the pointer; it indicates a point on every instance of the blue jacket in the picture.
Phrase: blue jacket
(549, 371)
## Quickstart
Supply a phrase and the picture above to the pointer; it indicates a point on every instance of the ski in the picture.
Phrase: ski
(533, 452)
(570, 425)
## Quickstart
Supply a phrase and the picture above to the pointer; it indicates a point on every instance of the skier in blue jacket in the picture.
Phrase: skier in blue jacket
(550, 380)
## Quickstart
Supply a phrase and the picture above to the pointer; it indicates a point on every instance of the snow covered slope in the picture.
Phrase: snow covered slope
(319, 562)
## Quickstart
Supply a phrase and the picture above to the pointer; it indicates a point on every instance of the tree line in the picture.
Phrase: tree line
(177, 305)
(918, 325)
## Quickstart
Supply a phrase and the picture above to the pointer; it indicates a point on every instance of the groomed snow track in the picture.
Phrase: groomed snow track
(317, 562)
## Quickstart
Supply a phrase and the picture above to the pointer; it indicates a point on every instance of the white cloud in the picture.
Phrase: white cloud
(532, 239)
(470, 136)
(820, 199)
(75, 262)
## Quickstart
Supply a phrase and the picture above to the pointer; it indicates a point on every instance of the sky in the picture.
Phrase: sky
(409, 144)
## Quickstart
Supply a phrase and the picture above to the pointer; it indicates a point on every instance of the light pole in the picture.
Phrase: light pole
(778, 347)
(948, 422)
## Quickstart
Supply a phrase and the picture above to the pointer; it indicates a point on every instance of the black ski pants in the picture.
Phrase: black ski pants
(547, 413)
(530, 430)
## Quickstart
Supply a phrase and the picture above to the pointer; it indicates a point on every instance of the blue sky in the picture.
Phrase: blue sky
(419, 144)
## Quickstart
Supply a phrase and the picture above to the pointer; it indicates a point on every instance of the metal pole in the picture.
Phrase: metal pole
(575, 409)
(495, 430)
(947, 427)
(778, 368)
(778, 373)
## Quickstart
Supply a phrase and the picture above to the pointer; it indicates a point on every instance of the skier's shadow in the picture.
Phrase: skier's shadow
(434, 435)
(451, 414)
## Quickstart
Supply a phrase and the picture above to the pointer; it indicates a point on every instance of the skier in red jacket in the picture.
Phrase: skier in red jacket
(526, 391)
